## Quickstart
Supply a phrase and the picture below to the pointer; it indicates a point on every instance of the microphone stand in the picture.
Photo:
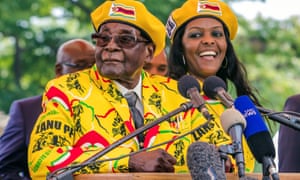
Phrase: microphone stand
(224, 151)
(68, 174)
(234, 149)
(269, 169)
(288, 120)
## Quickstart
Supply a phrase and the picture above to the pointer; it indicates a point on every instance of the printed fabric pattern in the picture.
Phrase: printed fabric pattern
(84, 112)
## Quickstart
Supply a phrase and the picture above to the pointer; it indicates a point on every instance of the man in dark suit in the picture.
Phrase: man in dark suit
(288, 140)
(72, 56)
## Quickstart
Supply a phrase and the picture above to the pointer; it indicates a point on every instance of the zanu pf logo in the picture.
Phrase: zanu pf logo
(249, 112)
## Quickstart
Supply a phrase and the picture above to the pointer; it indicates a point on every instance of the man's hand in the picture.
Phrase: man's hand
(153, 161)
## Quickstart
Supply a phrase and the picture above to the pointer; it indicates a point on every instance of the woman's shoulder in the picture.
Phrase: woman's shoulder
(164, 81)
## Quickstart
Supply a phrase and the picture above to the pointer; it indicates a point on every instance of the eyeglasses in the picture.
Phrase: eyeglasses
(80, 65)
(123, 40)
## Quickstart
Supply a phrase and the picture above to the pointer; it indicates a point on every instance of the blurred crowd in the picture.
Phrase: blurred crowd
(3, 121)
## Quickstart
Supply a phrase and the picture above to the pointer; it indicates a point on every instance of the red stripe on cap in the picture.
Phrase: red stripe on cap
(123, 10)
(211, 7)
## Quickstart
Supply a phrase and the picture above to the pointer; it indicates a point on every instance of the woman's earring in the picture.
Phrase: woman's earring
(224, 65)
(183, 60)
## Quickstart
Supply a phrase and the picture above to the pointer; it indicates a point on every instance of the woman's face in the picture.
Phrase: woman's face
(204, 46)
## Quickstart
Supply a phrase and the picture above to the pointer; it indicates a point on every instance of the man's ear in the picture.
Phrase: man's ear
(58, 70)
(150, 48)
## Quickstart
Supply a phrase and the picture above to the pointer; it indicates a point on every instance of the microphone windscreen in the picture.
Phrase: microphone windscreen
(204, 162)
(255, 122)
(231, 117)
(210, 85)
(185, 83)
(261, 145)
(256, 132)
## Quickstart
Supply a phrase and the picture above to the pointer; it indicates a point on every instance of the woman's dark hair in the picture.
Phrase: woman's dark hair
(232, 70)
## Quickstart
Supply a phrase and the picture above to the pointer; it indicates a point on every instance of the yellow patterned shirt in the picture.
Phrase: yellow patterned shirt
(83, 113)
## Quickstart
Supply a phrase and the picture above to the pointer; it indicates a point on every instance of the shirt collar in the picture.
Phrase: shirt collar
(137, 89)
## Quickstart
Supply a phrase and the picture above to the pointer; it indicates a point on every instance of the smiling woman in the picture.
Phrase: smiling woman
(201, 46)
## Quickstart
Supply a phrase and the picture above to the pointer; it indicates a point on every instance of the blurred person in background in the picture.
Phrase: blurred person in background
(72, 56)
(158, 65)
(288, 140)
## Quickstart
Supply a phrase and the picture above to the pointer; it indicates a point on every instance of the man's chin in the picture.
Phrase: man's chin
(110, 74)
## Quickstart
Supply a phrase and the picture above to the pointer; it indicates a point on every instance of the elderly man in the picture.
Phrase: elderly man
(86, 112)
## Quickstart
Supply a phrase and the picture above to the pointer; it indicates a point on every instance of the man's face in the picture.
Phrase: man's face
(75, 56)
(76, 63)
(158, 65)
(121, 52)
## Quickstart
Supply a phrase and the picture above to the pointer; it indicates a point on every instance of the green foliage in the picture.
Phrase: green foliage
(270, 52)
(31, 31)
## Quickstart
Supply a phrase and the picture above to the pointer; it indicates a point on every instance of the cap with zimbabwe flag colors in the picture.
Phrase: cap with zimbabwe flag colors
(197, 8)
(131, 12)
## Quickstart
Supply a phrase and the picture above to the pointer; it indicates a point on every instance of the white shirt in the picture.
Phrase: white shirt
(137, 89)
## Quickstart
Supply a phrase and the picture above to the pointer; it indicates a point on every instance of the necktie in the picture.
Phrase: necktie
(138, 119)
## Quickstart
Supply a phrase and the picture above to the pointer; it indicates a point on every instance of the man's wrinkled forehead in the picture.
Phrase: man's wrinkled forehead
(118, 28)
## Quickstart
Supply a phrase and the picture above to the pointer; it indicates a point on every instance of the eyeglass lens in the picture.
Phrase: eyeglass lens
(123, 40)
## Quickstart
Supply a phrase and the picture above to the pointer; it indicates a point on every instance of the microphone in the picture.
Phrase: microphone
(234, 124)
(189, 88)
(204, 162)
(258, 137)
(215, 88)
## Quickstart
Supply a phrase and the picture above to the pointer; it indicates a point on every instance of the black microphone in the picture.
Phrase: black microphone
(204, 162)
(215, 88)
(67, 174)
(258, 137)
(189, 88)
(234, 124)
